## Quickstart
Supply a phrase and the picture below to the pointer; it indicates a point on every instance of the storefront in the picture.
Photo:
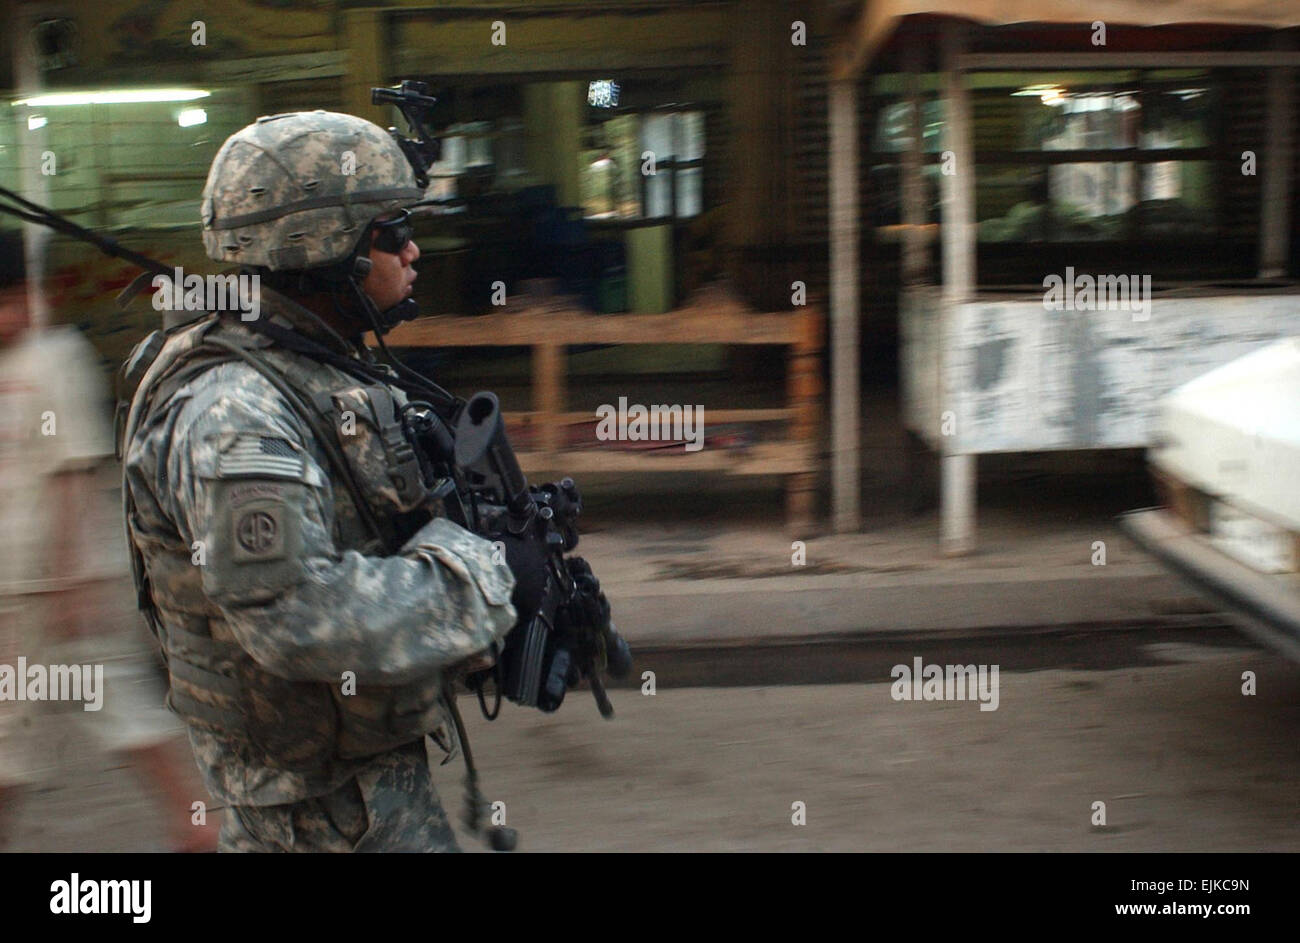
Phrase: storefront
(1086, 215)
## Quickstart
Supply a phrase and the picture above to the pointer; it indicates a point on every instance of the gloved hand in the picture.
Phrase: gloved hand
(590, 608)
(527, 560)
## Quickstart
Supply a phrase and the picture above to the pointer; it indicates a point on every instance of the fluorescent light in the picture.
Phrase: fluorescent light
(191, 116)
(115, 97)
(1035, 91)
(35, 121)
(1047, 94)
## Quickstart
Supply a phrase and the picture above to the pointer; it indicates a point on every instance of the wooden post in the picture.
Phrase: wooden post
(803, 394)
(364, 33)
(1275, 223)
(915, 249)
(755, 214)
(553, 136)
(957, 492)
(32, 144)
(549, 397)
(845, 458)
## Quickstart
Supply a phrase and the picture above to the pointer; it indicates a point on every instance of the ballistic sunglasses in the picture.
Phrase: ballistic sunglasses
(392, 235)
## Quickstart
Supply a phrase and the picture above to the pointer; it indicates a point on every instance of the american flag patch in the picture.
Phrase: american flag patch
(259, 456)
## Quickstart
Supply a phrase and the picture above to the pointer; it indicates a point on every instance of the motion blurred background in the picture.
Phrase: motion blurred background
(827, 223)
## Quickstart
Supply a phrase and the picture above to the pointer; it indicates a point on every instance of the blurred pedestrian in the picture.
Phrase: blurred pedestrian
(65, 592)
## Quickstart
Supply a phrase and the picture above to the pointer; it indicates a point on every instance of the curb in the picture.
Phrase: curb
(758, 613)
(868, 658)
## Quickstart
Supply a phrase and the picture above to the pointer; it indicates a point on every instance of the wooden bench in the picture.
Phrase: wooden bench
(711, 317)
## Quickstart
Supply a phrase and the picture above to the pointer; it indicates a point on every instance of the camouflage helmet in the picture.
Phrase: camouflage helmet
(295, 191)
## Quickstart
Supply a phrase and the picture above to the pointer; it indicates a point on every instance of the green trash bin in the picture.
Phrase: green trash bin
(650, 268)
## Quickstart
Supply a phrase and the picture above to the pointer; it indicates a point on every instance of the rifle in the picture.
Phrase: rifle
(571, 635)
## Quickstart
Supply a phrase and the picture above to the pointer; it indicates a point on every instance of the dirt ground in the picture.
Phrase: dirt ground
(1181, 758)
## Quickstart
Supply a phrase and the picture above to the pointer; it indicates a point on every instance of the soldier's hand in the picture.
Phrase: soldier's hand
(590, 608)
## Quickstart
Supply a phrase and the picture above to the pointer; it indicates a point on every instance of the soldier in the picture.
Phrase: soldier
(310, 604)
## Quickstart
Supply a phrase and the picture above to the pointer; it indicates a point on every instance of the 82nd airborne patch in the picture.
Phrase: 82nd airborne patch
(259, 533)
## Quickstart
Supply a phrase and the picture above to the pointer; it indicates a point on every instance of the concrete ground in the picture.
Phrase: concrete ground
(1182, 760)
(674, 582)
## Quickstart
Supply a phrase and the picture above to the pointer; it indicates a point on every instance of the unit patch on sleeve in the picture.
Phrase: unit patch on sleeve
(259, 532)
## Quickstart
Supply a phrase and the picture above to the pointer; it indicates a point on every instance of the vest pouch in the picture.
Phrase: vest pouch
(292, 724)
(388, 718)
(382, 459)
(217, 687)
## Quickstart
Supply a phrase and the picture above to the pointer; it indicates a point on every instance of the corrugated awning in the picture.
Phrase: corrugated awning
(879, 17)
(1269, 13)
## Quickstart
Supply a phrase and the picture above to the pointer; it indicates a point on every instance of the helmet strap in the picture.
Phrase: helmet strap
(381, 322)
(359, 266)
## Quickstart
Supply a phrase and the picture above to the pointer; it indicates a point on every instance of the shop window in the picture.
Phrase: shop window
(130, 165)
(1115, 156)
(617, 182)
(894, 127)
(472, 148)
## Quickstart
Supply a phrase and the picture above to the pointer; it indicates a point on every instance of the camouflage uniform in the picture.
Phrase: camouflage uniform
(267, 588)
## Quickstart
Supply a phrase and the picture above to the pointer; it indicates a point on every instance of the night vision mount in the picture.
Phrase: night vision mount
(422, 149)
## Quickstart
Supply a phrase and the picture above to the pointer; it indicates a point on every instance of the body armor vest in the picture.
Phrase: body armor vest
(215, 685)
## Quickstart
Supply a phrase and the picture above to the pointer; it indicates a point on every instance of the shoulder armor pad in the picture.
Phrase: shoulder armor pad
(142, 356)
